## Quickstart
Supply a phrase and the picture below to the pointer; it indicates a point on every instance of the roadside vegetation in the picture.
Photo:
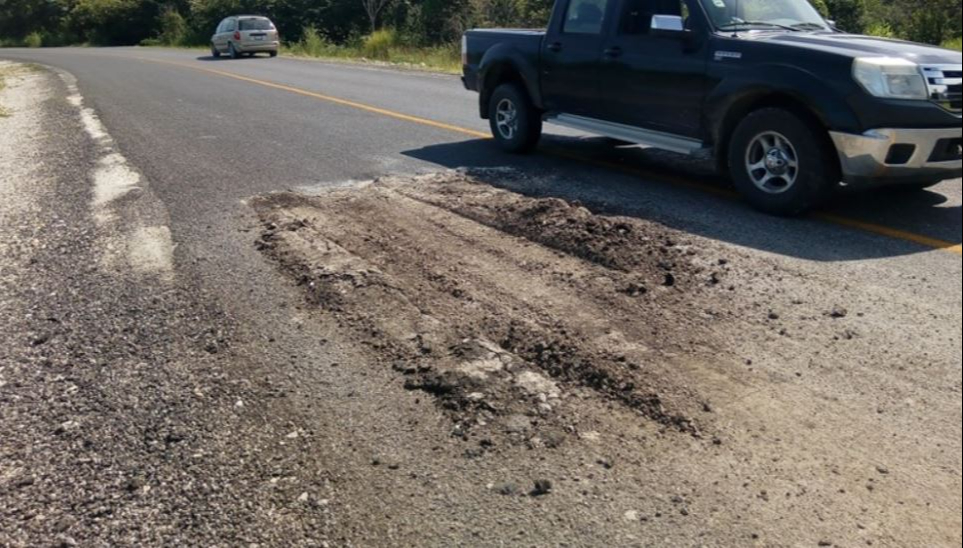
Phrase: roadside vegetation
(5, 72)
(381, 46)
(956, 44)
(3, 85)
(422, 33)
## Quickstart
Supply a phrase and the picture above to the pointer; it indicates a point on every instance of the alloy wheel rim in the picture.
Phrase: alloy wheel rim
(506, 119)
(772, 163)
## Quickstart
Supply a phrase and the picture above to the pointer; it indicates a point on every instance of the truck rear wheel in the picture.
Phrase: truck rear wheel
(782, 164)
(516, 123)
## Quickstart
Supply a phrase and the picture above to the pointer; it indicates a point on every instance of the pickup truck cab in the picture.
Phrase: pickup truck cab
(789, 107)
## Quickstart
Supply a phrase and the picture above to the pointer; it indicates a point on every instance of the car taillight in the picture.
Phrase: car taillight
(237, 35)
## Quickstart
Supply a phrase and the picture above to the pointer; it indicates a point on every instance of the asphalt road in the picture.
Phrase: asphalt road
(221, 130)
(209, 134)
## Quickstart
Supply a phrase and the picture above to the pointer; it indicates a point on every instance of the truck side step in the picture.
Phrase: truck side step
(630, 134)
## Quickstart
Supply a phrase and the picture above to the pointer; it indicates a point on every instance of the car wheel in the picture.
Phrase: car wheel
(782, 164)
(233, 51)
(515, 122)
(215, 53)
(273, 54)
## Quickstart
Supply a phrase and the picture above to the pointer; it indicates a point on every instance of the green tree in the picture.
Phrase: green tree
(848, 14)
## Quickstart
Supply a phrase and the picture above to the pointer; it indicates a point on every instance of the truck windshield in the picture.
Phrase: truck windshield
(792, 15)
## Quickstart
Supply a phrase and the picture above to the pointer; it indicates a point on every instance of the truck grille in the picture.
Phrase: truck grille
(945, 84)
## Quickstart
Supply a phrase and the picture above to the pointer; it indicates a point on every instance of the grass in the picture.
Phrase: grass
(3, 84)
(954, 44)
(381, 47)
(435, 59)
(10, 70)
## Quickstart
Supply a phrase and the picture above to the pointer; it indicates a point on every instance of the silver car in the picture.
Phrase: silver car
(245, 35)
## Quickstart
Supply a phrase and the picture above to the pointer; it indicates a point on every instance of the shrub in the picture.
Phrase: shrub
(378, 45)
(173, 27)
(956, 44)
(883, 30)
(311, 43)
(33, 40)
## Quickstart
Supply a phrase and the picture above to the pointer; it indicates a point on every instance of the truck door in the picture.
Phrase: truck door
(571, 54)
(655, 79)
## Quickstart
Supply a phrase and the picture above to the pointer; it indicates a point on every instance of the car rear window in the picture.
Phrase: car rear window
(256, 24)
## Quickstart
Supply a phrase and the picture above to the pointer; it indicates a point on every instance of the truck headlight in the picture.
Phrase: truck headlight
(890, 77)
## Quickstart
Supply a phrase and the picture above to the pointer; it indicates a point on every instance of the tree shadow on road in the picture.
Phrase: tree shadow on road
(687, 195)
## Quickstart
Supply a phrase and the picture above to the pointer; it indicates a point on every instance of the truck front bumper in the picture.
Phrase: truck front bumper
(894, 156)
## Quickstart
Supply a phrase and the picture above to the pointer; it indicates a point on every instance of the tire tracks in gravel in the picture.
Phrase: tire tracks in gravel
(490, 331)
(464, 289)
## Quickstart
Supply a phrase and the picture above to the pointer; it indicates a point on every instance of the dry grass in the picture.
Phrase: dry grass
(3, 85)
(8, 71)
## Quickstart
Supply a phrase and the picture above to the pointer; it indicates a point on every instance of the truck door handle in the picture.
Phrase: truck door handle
(555, 48)
(613, 53)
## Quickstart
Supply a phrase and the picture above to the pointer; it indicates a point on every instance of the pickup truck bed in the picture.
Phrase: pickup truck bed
(525, 44)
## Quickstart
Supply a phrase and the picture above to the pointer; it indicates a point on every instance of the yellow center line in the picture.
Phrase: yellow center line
(925, 241)
(328, 98)
(839, 220)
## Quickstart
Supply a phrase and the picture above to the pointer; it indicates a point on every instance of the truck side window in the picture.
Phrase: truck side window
(585, 16)
(637, 14)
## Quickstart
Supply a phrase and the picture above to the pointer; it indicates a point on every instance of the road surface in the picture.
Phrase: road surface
(197, 397)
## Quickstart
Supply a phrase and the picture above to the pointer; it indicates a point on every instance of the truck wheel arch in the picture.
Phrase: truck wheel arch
(725, 124)
(502, 66)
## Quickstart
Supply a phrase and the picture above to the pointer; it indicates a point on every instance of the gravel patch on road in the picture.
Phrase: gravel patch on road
(523, 316)
(442, 276)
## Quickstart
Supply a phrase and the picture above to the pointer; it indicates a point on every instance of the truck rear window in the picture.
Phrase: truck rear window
(256, 24)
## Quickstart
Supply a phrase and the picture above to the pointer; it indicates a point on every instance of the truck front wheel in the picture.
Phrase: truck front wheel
(782, 164)
(516, 123)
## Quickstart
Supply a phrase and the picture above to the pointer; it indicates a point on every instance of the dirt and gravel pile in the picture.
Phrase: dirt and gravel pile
(644, 249)
(507, 309)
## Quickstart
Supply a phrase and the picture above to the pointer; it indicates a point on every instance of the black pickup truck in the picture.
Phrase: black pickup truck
(789, 107)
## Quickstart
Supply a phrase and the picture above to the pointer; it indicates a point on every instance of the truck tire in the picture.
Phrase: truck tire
(516, 123)
(782, 164)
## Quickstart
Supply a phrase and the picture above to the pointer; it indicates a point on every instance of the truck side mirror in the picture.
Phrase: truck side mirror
(667, 25)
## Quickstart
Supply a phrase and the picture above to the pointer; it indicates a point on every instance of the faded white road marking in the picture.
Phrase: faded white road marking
(151, 249)
(113, 179)
(133, 240)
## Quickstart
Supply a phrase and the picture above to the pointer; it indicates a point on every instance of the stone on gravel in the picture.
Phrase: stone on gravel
(542, 487)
